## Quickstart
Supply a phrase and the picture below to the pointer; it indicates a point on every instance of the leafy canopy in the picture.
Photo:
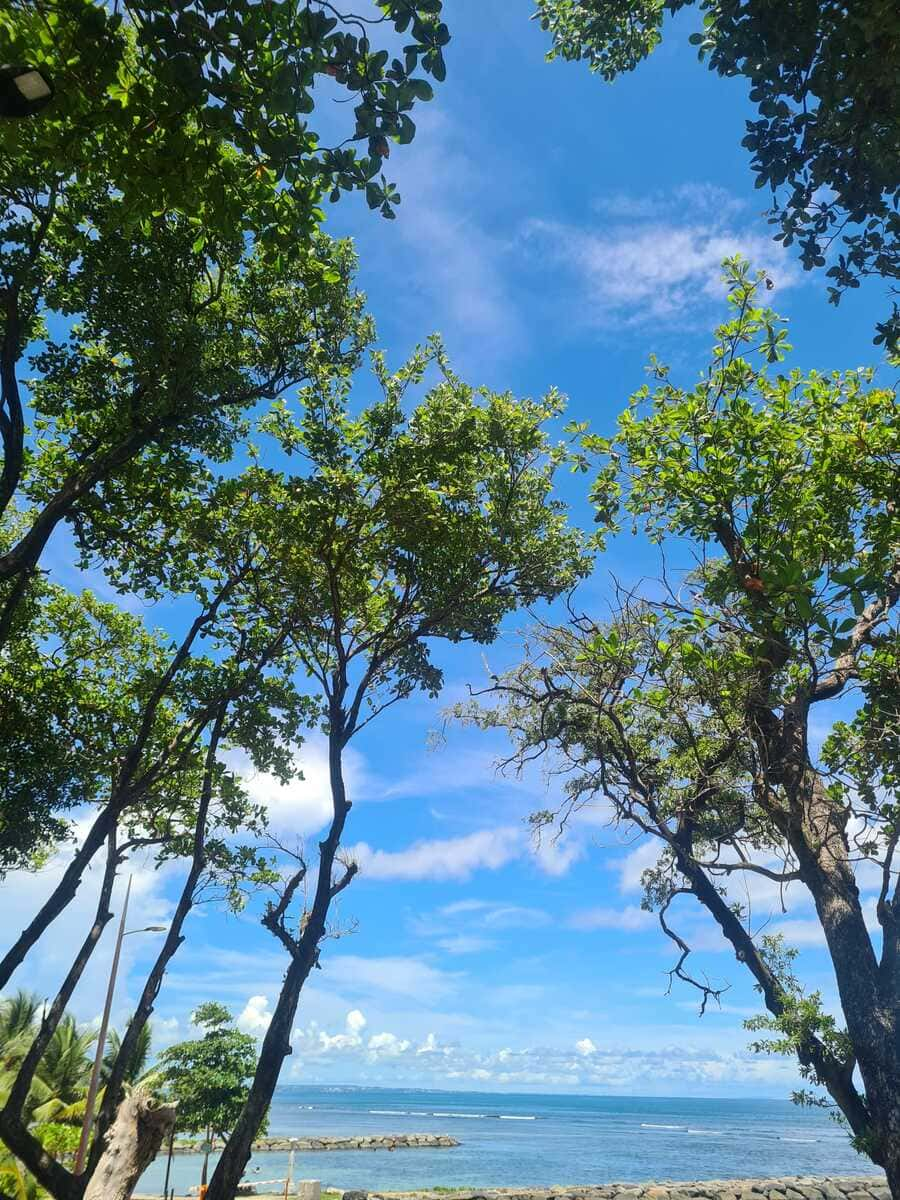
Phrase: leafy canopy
(405, 527)
(209, 1077)
(204, 107)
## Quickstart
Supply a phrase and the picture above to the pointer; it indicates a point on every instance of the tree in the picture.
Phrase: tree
(209, 1078)
(398, 530)
(826, 141)
(227, 682)
(691, 718)
(62, 1074)
(55, 1104)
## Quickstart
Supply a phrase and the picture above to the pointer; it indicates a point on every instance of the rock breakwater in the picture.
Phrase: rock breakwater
(802, 1187)
(383, 1141)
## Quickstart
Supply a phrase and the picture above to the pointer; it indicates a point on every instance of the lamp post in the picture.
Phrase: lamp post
(104, 1026)
(24, 90)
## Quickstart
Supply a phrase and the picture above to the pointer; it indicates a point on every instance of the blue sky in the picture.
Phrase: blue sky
(556, 230)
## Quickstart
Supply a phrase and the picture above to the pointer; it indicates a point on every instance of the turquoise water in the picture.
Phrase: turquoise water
(542, 1140)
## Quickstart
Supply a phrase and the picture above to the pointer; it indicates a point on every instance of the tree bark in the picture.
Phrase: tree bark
(892, 1159)
(134, 1141)
(18, 1093)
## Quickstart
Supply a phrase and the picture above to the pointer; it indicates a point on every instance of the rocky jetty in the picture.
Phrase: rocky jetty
(382, 1141)
(803, 1187)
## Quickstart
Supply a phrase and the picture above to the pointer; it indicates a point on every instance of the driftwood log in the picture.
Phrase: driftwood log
(132, 1143)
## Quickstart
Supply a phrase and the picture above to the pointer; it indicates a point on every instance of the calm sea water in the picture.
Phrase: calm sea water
(534, 1140)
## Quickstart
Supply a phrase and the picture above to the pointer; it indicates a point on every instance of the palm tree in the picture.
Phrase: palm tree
(136, 1066)
(18, 1021)
(15, 1182)
(56, 1101)
(64, 1071)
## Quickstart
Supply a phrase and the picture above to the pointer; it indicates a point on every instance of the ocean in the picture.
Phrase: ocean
(541, 1141)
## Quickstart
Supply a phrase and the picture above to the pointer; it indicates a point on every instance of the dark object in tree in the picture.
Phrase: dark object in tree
(24, 91)
(827, 140)
(691, 718)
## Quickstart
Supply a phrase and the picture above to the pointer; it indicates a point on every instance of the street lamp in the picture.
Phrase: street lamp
(23, 90)
(104, 1026)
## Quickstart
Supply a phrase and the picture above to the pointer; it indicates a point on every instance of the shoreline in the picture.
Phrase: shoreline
(784, 1187)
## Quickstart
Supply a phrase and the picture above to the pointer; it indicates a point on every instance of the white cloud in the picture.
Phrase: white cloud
(351, 1037)
(658, 259)
(556, 855)
(356, 1022)
(256, 1017)
(632, 867)
(387, 1045)
(462, 944)
(447, 858)
(460, 857)
(629, 918)
(391, 975)
(302, 806)
(584, 1065)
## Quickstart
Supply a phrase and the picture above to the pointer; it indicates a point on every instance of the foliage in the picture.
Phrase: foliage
(138, 1060)
(80, 689)
(406, 528)
(204, 109)
(826, 139)
(55, 1106)
(133, 410)
(209, 1077)
(133, 402)
(688, 715)
(65, 1066)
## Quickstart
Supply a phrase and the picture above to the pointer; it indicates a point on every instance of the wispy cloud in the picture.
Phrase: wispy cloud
(459, 858)
(629, 918)
(655, 259)
(441, 254)
(442, 858)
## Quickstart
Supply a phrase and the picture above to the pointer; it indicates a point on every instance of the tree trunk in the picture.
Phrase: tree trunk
(276, 1044)
(63, 894)
(132, 1144)
(205, 1171)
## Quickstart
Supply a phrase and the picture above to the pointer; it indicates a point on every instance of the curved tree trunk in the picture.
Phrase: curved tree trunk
(304, 953)
(132, 1144)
